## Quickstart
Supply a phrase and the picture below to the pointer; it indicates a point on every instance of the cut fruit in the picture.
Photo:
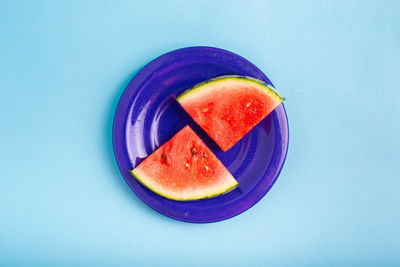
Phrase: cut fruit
(184, 168)
(228, 107)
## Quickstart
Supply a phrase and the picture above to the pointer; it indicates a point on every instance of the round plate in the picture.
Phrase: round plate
(148, 115)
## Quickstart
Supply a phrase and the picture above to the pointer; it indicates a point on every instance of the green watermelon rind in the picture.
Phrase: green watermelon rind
(210, 195)
(260, 84)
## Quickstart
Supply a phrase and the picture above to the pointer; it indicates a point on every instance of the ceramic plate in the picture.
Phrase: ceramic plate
(148, 115)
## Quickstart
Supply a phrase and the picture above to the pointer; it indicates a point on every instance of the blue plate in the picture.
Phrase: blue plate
(148, 115)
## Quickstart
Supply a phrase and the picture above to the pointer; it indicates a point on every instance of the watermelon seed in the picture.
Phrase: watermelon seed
(253, 109)
(205, 155)
(205, 109)
(187, 165)
(194, 150)
(248, 104)
(164, 159)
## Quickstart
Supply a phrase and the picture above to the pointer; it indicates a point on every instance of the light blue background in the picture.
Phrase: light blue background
(64, 65)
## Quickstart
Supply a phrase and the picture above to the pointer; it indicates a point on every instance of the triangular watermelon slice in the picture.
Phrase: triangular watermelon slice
(228, 107)
(184, 168)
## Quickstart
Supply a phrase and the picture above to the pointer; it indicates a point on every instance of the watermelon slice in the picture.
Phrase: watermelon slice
(228, 107)
(184, 168)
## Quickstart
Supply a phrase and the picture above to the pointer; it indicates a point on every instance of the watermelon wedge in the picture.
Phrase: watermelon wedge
(184, 168)
(228, 107)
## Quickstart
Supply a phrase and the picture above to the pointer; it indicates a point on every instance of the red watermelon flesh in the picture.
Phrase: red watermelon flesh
(184, 168)
(228, 107)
